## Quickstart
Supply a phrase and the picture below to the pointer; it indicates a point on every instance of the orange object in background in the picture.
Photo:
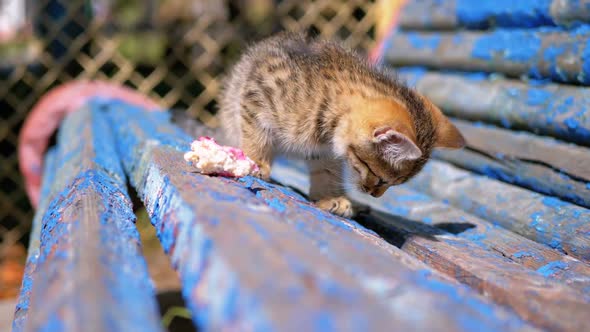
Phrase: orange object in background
(12, 268)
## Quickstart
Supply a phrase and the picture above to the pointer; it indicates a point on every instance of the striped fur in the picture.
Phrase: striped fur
(315, 99)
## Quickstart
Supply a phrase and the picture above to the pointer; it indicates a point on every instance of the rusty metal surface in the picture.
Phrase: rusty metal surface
(87, 273)
(256, 254)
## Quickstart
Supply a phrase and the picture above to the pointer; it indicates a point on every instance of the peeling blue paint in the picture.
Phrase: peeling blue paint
(505, 13)
(536, 220)
(476, 237)
(469, 322)
(85, 165)
(549, 109)
(548, 182)
(542, 53)
(584, 75)
(550, 55)
(412, 75)
(165, 212)
(275, 203)
(546, 220)
(554, 203)
(413, 197)
(517, 46)
(536, 97)
(298, 213)
(552, 268)
(324, 322)
(488, 14)
(423, 41)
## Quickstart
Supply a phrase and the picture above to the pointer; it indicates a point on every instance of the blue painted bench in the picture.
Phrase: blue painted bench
(251, 255)
(257, 256)
(495, 237)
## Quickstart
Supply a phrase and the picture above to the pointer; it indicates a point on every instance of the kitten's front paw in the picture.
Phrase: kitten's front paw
(340, 206)
(264, 171)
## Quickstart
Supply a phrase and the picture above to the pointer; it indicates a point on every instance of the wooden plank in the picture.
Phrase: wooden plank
(429, 15)
(22, 306)
(409, 203)
(89, 273)
(467, 257)
(554, 53)
(485, 233)
(543, 108)
(544, 219)
(503, 281)
(271, 193)
(529, 175)
(452, 14)
(564, 157)
(538, 163)
(256, 255)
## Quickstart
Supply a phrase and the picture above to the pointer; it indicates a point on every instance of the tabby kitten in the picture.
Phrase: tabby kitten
(315, 99)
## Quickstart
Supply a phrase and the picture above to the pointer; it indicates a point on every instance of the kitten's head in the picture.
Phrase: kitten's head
(387, 142)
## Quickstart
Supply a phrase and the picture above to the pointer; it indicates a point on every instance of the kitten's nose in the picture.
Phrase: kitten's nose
(377, 193)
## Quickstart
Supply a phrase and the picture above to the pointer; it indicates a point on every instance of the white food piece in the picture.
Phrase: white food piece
(208, 157)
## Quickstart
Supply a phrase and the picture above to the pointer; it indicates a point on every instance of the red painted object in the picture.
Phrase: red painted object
(388, 21)
(48, 113)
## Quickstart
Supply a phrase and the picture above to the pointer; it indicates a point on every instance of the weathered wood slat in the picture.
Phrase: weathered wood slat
(505, 282)
(466, 257)
(89, 273)
(539, 163)
(529, 175)
(408, 203)
(255, 255)
(22, 306)
(277, 195)
(549, 109)
(560, 225)
(539, 53)
(451, 14)
(565, 157)
(483, 232)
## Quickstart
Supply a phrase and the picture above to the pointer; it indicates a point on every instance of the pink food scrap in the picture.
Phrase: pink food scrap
(208, 157)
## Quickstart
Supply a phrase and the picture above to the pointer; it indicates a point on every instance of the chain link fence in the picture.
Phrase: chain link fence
(175, 51)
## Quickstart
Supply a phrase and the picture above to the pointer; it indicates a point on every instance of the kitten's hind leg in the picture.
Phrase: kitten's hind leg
(327, 188)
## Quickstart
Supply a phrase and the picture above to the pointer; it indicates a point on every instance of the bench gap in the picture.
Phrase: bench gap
(167, 283)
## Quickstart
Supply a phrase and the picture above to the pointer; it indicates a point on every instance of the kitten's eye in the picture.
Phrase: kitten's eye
(381, 183)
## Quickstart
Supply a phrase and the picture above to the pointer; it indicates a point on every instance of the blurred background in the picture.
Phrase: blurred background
(175, 51)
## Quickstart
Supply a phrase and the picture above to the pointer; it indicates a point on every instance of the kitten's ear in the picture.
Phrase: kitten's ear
(447, 135)
(395, 146)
